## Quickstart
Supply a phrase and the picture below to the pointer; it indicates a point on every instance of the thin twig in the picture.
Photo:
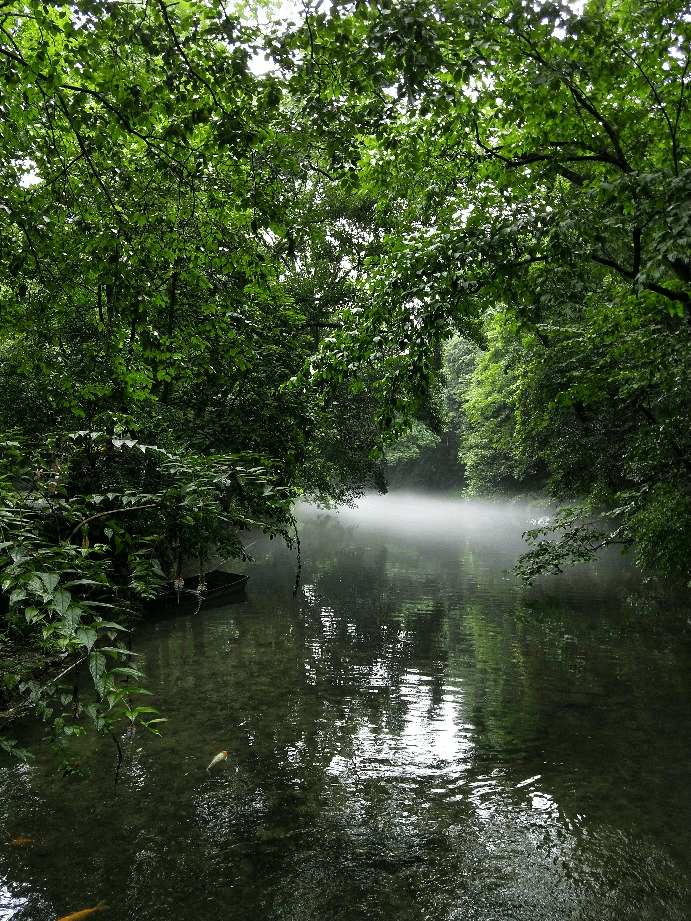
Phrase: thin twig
(117, 511)
(27, 705)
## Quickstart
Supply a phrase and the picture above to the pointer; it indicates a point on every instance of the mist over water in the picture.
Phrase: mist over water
(430, 517)
(483, 535)
(414, 735)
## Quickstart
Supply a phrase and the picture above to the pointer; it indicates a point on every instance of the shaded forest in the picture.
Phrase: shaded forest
(243, 263)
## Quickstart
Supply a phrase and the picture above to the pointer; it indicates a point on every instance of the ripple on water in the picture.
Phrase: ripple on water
(400, 746)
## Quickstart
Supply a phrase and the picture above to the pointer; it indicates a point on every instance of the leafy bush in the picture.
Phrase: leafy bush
(77, 564)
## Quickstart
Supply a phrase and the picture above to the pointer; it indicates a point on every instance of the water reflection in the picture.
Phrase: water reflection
(412, 737)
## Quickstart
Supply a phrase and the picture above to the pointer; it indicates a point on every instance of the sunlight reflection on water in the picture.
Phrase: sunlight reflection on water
(412, 737)
(10, 903)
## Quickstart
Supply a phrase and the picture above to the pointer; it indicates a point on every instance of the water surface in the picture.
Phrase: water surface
(412, 736)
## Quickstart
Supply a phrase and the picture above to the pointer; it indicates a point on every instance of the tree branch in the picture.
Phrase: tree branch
(94, 171)
(582, 100)
(613, 264)
(117, 511)
(181, 52)
(680, 296)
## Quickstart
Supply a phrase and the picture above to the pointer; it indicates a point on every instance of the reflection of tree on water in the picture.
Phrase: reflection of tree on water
(511, 672)
(317, 680)
(371, 631)
(399, 746)
(570, 699)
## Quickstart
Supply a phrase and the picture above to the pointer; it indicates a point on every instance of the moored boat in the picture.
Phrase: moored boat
(218, 586)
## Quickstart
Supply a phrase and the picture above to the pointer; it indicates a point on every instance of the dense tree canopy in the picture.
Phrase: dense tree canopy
(156, 209)
(537, 158)
(221, 288)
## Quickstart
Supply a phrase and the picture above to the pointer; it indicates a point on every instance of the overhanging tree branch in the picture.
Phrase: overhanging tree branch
(117, 511)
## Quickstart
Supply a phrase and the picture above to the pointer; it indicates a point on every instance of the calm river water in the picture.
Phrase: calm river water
(413, 736)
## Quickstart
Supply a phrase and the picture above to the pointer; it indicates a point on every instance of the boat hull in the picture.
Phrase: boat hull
(220, 586)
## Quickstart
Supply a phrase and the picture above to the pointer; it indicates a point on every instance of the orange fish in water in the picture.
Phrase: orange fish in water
(78, 915)
(221, 756)
(19, 841)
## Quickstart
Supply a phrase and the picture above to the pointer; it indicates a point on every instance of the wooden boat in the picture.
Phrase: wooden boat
(219, 587)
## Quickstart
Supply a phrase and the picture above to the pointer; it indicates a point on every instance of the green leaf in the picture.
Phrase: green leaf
(97, 667)
(61, 601)
(87, 636)
(50, 581)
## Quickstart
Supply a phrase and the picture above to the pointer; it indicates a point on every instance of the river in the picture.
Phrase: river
(412, 736)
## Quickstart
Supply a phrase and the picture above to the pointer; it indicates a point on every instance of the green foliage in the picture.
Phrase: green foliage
(77, 564)
(408, 447)
(220, 290)
(578, 539)
(156, 213)
(537, 160)
(148, 272)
